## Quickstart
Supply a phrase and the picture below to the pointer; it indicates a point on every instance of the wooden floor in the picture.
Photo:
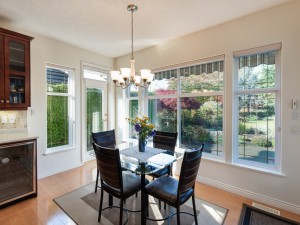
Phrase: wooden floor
(43, 210)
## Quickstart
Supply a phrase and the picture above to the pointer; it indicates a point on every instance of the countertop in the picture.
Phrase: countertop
(15, 136)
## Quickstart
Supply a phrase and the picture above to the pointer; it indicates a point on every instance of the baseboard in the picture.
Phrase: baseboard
(251, 195)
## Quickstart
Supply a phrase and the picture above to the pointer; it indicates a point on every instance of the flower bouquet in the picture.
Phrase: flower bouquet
(143, 129)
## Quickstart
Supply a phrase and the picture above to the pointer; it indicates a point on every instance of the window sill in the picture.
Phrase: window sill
(246, 167)
(58, 150)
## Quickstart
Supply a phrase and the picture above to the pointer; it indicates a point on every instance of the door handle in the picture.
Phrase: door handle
(105, 117)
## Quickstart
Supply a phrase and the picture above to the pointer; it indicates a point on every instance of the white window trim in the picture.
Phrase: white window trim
(247, 163)
(179, 95)
(71, 108)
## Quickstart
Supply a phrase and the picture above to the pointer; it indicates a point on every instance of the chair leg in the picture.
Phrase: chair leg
(100, 206)
(110, 200)
(194, 208)
(121, 211)
(97, 179)
(147, 204)
(178, 215)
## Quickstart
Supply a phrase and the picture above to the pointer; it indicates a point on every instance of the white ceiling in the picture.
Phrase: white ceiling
(104, 26)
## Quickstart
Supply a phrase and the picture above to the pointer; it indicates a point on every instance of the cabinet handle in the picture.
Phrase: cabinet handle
(2, 101)
(7, 101)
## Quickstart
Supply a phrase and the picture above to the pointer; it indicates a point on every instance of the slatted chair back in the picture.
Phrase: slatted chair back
(105, 138)
(109, 165)
(165, 140)
(189, 170)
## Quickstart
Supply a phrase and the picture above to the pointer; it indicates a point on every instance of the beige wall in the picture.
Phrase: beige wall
(278, 24)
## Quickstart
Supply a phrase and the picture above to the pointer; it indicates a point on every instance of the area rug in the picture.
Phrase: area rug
(82, 206)
(254, 216)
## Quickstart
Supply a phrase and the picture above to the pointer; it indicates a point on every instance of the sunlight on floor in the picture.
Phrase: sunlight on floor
(155, 210)
(94, 174)
(217, 215)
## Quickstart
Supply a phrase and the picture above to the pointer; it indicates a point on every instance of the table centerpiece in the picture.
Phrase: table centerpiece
(143, 130)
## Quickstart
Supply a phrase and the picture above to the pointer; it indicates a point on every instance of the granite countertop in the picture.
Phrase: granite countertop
(15, 136)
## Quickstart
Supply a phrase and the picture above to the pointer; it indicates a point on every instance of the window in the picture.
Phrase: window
(256, 138)
(60, 107)
(133, 109)
(189, 99)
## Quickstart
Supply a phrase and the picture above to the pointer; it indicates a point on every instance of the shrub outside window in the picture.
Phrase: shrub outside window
(189, 99)
(60, 107)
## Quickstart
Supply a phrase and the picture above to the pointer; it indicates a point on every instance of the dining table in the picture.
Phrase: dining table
(145, 163)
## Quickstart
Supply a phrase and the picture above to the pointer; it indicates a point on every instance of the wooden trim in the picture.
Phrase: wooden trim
(15, 34)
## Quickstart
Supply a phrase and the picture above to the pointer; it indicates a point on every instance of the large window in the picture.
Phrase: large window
(257, 109)
(189, 100)
(60, 107)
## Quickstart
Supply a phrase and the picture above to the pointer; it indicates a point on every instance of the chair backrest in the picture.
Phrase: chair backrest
(165, 140)
(189, 169)
(109, 165)
(105, 138)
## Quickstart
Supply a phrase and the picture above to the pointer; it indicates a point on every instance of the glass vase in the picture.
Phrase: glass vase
(142, 145)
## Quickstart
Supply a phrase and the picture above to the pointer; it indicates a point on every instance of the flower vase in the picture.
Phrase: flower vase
(142, 145)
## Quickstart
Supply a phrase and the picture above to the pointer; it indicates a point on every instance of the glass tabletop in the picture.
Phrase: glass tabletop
(147, 162)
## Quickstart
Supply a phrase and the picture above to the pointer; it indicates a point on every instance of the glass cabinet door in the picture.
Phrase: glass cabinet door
(17, 73)
(16, 56)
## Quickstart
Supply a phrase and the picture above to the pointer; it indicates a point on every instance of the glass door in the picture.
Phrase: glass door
(95, 111)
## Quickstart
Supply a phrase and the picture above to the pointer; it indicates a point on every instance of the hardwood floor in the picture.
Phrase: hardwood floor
(43, 210)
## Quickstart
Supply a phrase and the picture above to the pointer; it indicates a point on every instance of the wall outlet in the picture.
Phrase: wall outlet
(4, 119)
(12, 118)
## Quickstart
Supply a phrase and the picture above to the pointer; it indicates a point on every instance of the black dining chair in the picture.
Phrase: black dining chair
(104, 139)
(166, 141)
(116, 183)
(176, 192)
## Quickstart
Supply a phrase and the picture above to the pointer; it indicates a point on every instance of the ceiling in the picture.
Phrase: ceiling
(104, 26)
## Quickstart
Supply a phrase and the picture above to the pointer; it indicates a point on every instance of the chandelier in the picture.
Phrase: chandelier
(126, 76)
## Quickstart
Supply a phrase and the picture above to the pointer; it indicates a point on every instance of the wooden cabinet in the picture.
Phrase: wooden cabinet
(14, 70)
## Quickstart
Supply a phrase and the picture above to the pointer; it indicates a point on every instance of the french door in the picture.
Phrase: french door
(95, 115)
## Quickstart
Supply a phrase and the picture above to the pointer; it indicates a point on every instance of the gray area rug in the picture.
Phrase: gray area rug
(253, 216)
(82, 206)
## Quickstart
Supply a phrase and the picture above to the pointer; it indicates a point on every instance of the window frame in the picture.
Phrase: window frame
(276, 167)
(180, 95)
(71, 108)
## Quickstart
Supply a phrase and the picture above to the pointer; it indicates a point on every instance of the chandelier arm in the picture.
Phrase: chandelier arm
(143, 86)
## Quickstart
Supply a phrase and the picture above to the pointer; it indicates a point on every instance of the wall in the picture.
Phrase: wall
(45, 50)
(278, 24)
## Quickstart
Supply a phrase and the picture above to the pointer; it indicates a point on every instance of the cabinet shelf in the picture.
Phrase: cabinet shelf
(15, 61)
(16, 49)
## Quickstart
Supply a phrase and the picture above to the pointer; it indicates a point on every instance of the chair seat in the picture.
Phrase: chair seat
(166, 189)
(131, 184)
(160, 173)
